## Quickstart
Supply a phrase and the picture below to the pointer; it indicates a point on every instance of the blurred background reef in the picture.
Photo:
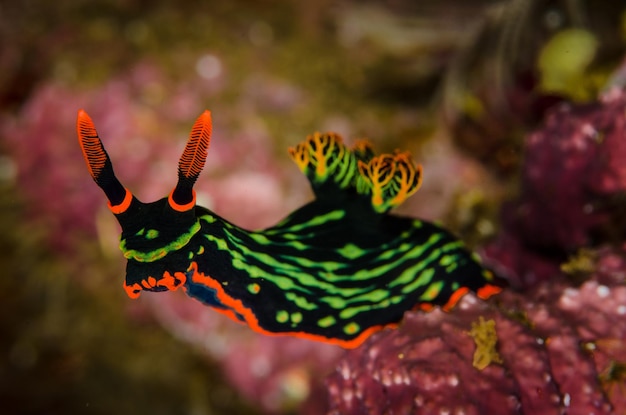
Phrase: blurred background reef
(458, 83)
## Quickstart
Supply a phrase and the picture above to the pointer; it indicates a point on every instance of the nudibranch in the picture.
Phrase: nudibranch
(335, 270)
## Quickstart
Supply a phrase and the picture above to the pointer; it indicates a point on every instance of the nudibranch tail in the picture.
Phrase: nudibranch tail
(98, 162)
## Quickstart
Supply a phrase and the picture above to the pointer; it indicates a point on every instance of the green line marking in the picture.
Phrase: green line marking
(425, 277)
(351, 251)
(159, 253)
(432, 291)
(316, 221)
(300, 301)
(326, 321)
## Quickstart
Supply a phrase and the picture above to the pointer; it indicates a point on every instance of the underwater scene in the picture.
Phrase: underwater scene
(298, 208)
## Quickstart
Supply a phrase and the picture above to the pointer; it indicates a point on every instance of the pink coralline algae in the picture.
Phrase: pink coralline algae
(573, 179)
(558, 347)
(553, 343)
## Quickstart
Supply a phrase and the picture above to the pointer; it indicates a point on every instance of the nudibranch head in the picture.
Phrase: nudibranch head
(150, 231)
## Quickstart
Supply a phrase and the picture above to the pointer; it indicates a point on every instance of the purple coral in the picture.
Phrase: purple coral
(573, 176)
(425, 365)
